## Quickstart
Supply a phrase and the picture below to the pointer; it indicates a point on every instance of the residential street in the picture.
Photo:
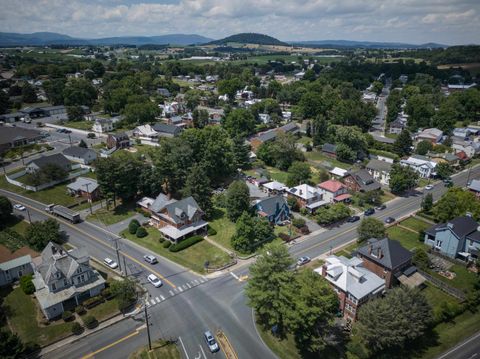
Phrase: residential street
(188, 304)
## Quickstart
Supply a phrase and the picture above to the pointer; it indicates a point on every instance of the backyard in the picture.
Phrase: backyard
(193, 257)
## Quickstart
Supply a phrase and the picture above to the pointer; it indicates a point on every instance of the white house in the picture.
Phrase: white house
(102, 125)
(379, 170)
(420, 164)
(264, 118)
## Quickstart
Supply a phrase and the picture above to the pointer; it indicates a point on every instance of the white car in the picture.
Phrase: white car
(156, 282)
(428, 187)
(19, 207)
(111, 263)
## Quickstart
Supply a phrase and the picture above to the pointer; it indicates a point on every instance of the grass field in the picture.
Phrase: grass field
(416, 223)
(160, 350)
(79, 125)
(193, 257)
(407, 238)
(325, 161)
(104, 310)
(224, 227)
(115, 215)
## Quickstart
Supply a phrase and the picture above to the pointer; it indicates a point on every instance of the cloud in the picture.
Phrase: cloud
(445, 21)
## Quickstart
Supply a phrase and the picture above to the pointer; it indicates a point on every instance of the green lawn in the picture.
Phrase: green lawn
(325, 161)
(104, 310)
(20, 227)
(113, 215)
(23, 316)
(305, 140)
(192, 257)
(224, 227)
(416, 223)
(437, 297)
(464, 279)
(160, 350)
(407, 238)
(79, 125)
(277, 175)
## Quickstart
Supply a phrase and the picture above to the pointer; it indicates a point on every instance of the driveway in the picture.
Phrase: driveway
(255, 192)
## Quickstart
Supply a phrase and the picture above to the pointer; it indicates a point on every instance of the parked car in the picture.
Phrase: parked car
(448, 182)
(211, 342)
(303, 260)
(381, 207)
(91, 135)
(353, 219)
(19, 207)
(66, 131)
(111, 263)
(150, 259)
(428, 187)
(389, 220)
(156, 282)
(369, 212)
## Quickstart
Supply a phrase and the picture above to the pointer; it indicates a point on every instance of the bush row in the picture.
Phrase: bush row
(185, 243)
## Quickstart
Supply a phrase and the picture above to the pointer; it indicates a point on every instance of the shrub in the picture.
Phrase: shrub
(161, 240)
(211, 231)
(167, 244)
(141, 232)
(133, 226)
(91, 302)
(67, 315)
(303, 211)
(284, 237)
(77, 328)
(90, 321)
(298, 222)
(304, 230)
(185, 243)
(27, 285)
(80, 309)
(107, 294)
(292, 202)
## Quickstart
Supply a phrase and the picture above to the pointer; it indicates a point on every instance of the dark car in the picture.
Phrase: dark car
(369, 212)
(381, 207)
(389, 220)
(353, 219)
(448, 182)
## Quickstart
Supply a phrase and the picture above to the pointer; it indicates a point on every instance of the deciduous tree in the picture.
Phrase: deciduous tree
(370, 228)
(238, 200)
(402, 178)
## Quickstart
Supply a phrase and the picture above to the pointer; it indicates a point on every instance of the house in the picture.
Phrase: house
(275, 209)
(446, 157)
(463, 132)
(361, 181)
(385, 257)
(102, 125)
(80, 154)
(338, 172)
(379, 170)
(458, 238)
(397, 125)
(64, 279)
(13, 137)
(433, 135)
(273, 187)
(84, 187)
(163, 92)
(333, 191)
(165, 130)
(271, 135)
(420, 164)
(353, 283)
(57, 159)
(146, 134)
(474, 186)
(175, 219)
(13, 269)
(264, 118)
(307, 196)
(118, 140)
(330, 150)
(470, 148)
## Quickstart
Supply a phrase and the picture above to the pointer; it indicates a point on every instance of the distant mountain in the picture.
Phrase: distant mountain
(367, 44)
(50, 38)
(250, 38)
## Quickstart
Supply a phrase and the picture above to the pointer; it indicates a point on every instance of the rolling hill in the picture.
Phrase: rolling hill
(367, 44)
(249, 38)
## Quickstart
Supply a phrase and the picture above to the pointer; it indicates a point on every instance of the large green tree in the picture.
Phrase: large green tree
(370, 228)
(403, 144)
(250, 232)
(402, 178)
(456, 202)
(237, 200)
(239, 122)
(298, 173)
(140, 112)
(28, 93)
(197, 185)
(6, 209)
(54, 91)
(444, 170)
(79, 92)
(390, 323)
(38, 234)
(11, 346)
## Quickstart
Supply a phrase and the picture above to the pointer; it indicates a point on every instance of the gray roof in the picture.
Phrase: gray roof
(57, 159)
(378, 165)
(160, 202)
(9, 134)
(267, 136)
(289, 127)
(76, 151)
(180, 210)
(82, 183)
(383, 139)
(460, 226)
(165, 128)
(329, 148)
(386, 252)
(17, 262)
(474, 185)
(364, 180)
(269, 205)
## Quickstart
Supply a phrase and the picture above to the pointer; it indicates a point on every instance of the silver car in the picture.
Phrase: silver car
(211, 342)
(150, 259)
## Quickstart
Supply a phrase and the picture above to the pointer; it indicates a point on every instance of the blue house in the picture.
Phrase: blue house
(458, 238)
(275, 209)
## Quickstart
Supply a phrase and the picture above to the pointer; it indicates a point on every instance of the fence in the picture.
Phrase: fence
(457, 293)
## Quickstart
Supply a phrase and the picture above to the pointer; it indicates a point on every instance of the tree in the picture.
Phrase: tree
(38, 234)
(229, 87)
(197, 185)
(4, 102)
(124, 291)
(421, 259)
(74, 113)
(200, 118)
(11, 347)
(133, 226)
(281, 152)
(97, 68)
(427, 203)
(444, 170)
(423, 147)
(241, 152)
(82, 144)
(49, 173)
(377, 87)
(298, 173)
(238, 200)
(79, 92)
(402, 178)
(370, 228)
(268, 276)
(345, 153)
(319, 130)
(140, 112)
(6, 209)
(28, 93)
(456, 202)
(250, 231)
(391, 322)
(403, 144)
(312, 313)
(239, 122)
(54, 91)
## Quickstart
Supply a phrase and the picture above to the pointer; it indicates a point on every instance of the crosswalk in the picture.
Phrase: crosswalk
(173, 292)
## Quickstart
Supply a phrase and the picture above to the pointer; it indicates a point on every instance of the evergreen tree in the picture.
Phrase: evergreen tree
(197, 185)
(11, 347)
(6, 209)
(237, 200)
(83, 144)
(427, 203)
(241, 152)
(403, 144)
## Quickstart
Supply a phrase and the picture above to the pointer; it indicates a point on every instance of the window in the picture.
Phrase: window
(54, 287)
(350, 308)
(352, 299)
(65, 282)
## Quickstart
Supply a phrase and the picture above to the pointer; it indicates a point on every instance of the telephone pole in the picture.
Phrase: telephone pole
(118, 253)
(148, 328)
(89, 197)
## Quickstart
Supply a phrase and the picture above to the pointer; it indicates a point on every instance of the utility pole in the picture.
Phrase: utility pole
(89, 197)
(124, 265)
(29, 219)
(468, 176)
(70, 139)
(148, 329)
(118, 253)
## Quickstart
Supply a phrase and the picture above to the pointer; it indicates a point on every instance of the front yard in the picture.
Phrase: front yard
(79, 125)
(160, 350)
(193, 257)
(113, 215)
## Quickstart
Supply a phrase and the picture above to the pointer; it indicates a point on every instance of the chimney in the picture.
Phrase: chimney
(370, 247)
(301, 192)
(380, 253)
(54, 249)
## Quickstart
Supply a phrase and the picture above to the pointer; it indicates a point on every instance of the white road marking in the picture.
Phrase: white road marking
(205, 278)
(157, 299)
(180, 289)
(153, 302)
(184, 287)
(171, 293)
(183, 346)
(161, 296)
(189, 286)
(203, 352)
(196, 281)
(234, 276)
(459, 346)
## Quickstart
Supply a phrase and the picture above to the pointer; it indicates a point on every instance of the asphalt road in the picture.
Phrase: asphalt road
(188, 304)
(468, 349)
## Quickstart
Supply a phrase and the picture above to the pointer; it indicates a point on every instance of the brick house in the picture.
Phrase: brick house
(333, 191)
(118, 140)
(353, 283)
(360, 181)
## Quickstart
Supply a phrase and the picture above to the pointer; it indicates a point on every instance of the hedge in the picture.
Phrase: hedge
(298, 222)
(161, 240)
(80, 309)
(92, 302)
(90, 321)
(211, 231)
(76, 328)
(141, 232)
(27, 285)
(185, 243)
(107, 294)
(67, 315)
(166, 244)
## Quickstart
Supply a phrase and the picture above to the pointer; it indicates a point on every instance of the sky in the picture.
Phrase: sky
(411, 21)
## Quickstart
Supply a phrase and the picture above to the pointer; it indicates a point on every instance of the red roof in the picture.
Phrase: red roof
(331, 185)
(342, 197)
(461, 155)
